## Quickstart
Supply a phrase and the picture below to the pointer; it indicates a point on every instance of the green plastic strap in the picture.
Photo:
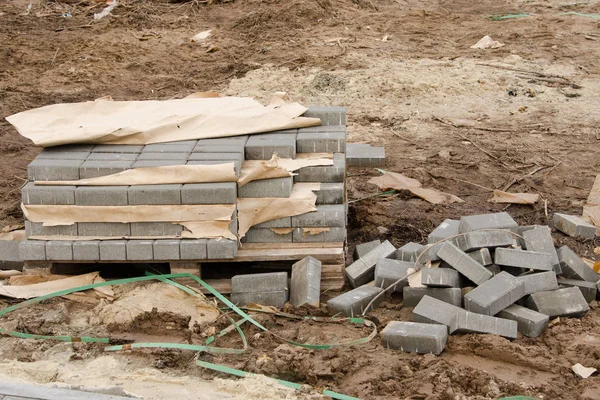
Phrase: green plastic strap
(594, 16)
(507, 16)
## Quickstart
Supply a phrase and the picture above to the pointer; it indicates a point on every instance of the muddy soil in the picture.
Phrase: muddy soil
(522, 118)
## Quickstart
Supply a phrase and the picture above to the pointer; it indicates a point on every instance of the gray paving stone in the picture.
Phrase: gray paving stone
(353, 303)
(324, 173)
(588, 289)
(86, 250)
(193, 249)
(267, 235)
(478, 323)
(446, 229)
(163, 156)
(274, 299)
(523, 259)
(413, 295)
(321, 142)
(567, 302)
(48, 195)
(140, 250)
(574, 226)
(171, 147)
(520, 230)
(154, 194)
(230, 140)
(326, 215)
(236, 164)
(148, 229)
(112, 157)
(32, 250)
(501, 220)
(388, 271)
(305, 285)
(433, 311)
(117, 148)
(334, 234)
(414, 337)
(494, 269)
(38, 229)
(362, 270)
(13, 391)
(70, 148)
(361, 249)
(276, 223)
(235, 158)
(157, 163)
(538, 282)
(62, 155)
(257, 283)
(209, 193)
(94, 169)
(476, 240)
(260, 149)
(574, 267)
(101, 229)
(323, 129)
(220, 249)
(460, 261)
(540, 239)
(410, 252)
(331, 193)
(166, 250)
(59, 250)
(328, 115)
(530, 323)
(440, 278)
(54, 170)
(219, 148)
(9, 251)
(113, 250)
(495, 294)
(364, 156)
(101, 195)
(276, 187)
(482, 256)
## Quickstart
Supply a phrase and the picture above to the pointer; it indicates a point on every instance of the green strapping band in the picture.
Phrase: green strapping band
(593, 16)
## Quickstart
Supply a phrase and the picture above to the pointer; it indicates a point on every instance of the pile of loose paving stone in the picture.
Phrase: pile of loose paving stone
(479, 274)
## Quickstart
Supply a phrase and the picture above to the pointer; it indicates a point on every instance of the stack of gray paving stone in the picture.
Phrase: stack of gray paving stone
(127, 241)
(479, 274)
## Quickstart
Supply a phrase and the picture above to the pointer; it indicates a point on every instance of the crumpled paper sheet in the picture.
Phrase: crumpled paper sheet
(514, 198)
(396, 181)
(13, 235)
(276, 167)
(156, 121)
(584, 372)
(44, 288)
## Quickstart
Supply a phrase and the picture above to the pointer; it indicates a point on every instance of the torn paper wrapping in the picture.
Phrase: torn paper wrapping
(155, 121)
(396, 181)
(165, 175)
(44, 288)
(514, 198)
(276, 167)
(591, 209)
(14, 235)
(253, 211)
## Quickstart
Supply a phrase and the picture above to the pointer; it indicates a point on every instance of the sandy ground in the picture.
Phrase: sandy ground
(523, 117)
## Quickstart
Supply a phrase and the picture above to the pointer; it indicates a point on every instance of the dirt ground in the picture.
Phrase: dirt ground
(523, 118)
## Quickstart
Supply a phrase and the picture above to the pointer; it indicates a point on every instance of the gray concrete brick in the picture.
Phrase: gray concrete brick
(48, 195)
(32, 250)
(478, 323)
(326, 215)
(520, 230)
(567, 302)
(86, 250)
(388, 271)
(274, 299)
(237, 164)
(219, 148)
(362, 270)
(413, 295)
(117, 148)
(93, 169)
(62, 155)
(331, 193)
(101, 195)
(219, 249)
(148, 229)
(328, 115)
(54, 170)
(257, 283)
(59, 250)
(231, 140)
(266, 235)
(334, 234)
(38, 229)
(460, 261)
(209, 193)
(410, 252)
(112, 157)
(259, 149)
(193, 249)
(113, 250)
(171, 147)
(353, 303)
(501, 220)
(140, 250)
(448, 228)
(166, 250)
(476, 240)
(574, 267)
(482, 256)
(495, 294)
(76, 148)
(9, 251)
(574, 226)
(529, 323)
(361, 249)
(538, 282)
(414, 337)
(276, 223)
(588, 289)
(365, 156)
(276, 187)
(289, 134)
(323, 129)
(494, 269)
(440, 278)
(222, 157)
(154, 194)
(523, 259)
(101, 229)
(433, 311)
(157, 163)
(163, 156)
(321, 142)
(326, 173)
(539, 239)
(305, 284)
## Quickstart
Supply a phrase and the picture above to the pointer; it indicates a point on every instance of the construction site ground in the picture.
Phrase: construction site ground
(522, 118)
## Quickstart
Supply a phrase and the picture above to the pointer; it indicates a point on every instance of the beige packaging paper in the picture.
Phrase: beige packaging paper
(156, 121)
(276, 167)
(43, 288)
